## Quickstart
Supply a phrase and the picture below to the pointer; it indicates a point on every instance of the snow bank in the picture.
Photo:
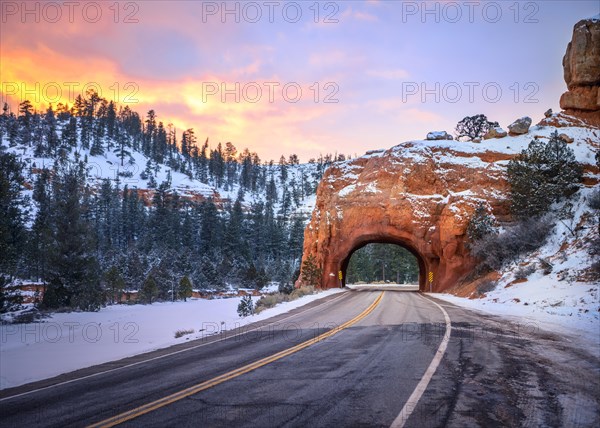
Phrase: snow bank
(562, 300)
(71, 341)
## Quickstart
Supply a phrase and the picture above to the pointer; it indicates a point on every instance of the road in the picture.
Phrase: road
(374, 367)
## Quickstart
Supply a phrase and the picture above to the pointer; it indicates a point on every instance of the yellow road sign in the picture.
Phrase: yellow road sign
(340, 275)
(430, 276)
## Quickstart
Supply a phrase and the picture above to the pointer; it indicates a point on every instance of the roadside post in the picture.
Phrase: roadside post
(340, 277)
(430, 282)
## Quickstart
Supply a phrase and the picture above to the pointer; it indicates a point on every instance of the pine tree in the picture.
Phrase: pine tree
(211, 229)
(4, 118)
(296, 239)
(111, 121)
(185, 288)
(52, 140)
(69, 134)
(25, 122)
(149, 290)
(122, 147)
(41, 237)
(245, 307)
(115, 283)
(12, 214)
(73, 272)
(311, 272)
(541, 175)
(234, 232)
(283, 170)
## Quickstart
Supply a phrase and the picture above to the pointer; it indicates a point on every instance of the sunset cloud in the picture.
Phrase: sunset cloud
(202, 71)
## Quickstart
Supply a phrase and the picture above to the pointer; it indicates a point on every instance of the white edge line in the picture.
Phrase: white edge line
(414, 398)
(162, 356)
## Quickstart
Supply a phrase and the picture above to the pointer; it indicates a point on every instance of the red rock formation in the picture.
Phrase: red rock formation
(422, 194)
(581, 66)
(419, 194)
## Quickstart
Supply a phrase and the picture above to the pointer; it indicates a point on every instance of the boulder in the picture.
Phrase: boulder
(495, 132)
(566, 138)
(520, 126)
(581, 98)
(581, 63)
(581, 68)
(548, 113)
(438, 135)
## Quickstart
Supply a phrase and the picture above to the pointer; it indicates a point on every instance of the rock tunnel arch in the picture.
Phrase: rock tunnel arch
(337, 257)
(400, 196)
(366, 240)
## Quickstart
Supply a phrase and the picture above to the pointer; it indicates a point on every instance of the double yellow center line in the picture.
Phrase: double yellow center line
(147, 408)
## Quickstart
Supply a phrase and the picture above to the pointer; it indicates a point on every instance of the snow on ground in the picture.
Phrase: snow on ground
(71, 341)
(562, 300)
(547, 305)
(584, 151)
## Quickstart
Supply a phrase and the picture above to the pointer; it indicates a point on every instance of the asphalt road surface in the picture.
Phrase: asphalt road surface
(356, 359)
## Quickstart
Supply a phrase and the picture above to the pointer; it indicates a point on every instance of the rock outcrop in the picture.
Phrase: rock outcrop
(581, 66)
(438, 135)
(421, 195)
(495, 132)
(520, 126)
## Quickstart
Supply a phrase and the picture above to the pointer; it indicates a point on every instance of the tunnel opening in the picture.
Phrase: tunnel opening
(390, 261)
(382, 264)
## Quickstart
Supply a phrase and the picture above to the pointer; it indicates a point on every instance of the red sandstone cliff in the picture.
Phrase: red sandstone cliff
(421, 194)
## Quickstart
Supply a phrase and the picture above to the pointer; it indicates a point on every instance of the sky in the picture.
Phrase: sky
(304, 77)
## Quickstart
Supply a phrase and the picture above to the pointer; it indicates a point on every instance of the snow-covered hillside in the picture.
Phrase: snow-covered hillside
(108, 166)
(551, 287)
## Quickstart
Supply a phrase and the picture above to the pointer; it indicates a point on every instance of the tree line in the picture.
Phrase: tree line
(87, 241)
(383, 263)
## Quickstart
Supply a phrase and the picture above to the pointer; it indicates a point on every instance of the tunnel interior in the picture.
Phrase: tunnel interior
(422, 275)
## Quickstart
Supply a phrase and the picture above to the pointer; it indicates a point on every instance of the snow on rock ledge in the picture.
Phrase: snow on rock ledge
(421, 194)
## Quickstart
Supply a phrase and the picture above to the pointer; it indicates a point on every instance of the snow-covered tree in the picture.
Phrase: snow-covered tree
(542, 174)
(474, 126)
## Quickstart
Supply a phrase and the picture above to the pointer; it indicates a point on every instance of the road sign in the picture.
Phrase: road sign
(340, 275)
(430, 276)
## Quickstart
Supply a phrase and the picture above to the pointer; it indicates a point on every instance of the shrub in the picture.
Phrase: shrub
(474, 126)
(523, 272)
(494, 251)
(180, 333)
(286, 287)
(594, 200)
(311, 273)
(541, 175)
(27, 316)
(271, 300)
(481, 224)
(486, 286)
(302, 291)
(245, 307)
(546, 266)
